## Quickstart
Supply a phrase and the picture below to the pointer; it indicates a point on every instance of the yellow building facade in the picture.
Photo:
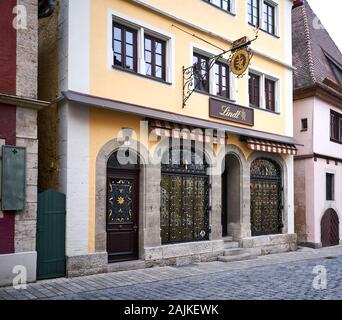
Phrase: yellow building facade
(121, 115)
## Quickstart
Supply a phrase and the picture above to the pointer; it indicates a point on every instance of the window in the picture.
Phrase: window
(221, 80)
(223, 4)
(253, 12)
(125, 47)
(155, 57)
(201, 72)
(330, 187)
(268, 24)
(254, 90)
(304, 126)
(335, 126)
(270, 94)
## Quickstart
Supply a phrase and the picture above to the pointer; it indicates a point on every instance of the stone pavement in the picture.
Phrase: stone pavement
(277, 276)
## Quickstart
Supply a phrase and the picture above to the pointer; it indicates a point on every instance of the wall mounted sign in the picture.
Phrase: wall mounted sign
(231, 112)
(240, 61)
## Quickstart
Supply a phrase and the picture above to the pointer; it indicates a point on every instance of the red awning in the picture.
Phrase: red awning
(170, 129)
(270, 146)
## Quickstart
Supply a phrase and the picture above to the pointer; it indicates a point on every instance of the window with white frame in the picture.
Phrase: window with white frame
(264, 14)
(226, 5)
(141, 50)
(263, 91)
(218, 80)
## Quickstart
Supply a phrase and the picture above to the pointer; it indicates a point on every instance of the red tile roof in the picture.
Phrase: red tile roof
(313, 49)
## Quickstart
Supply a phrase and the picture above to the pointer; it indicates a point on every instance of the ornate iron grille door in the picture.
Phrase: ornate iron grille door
(184, 202)
(266, 198)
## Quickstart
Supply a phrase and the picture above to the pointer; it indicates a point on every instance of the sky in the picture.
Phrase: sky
(329, 12)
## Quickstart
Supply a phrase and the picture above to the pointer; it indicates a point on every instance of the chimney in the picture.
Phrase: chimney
(297, 3)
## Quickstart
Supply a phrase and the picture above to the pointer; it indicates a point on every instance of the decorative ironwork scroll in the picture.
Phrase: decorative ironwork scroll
(239, 59)
(266, 198)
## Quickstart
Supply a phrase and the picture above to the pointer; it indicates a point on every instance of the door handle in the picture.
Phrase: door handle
(135, 228)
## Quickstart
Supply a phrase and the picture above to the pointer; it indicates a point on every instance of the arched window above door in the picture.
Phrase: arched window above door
(123, 159)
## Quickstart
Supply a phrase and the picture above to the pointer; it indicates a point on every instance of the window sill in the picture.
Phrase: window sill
(303, 130)
(214, 96)
(269, 33)
(141, 75)
(225, 11)
(269, 111)
(335, 141)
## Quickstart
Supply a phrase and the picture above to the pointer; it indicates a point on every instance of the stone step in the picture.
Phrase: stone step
(237, 257)
(234, 251)
(227, 239)
(231, 245)
(126, 265)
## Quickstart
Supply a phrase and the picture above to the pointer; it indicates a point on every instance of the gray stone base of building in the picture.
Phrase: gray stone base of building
(77, 266)
(22, 259)
(271, 243)
(184, 253)
(312, 245)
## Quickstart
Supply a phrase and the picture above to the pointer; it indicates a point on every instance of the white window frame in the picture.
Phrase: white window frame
(277, 88)
(275, 4)
(232, 6)
(197, 48)
(142, 28)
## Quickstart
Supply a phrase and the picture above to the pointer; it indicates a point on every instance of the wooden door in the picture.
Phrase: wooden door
(122, 215)
(51, 235)
(330, 229)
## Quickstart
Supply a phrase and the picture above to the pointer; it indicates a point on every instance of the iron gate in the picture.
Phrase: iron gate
(184, 199)
(266, 198)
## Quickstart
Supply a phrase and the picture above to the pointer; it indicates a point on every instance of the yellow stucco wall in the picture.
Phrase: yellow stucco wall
(123, 86)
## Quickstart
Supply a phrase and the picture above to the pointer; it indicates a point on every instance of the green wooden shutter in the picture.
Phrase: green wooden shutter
(13, 178)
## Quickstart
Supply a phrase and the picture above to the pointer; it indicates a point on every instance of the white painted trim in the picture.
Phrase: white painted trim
(79, 46)
(142, 29)
(275, 4)
(278, 85)
(74, 174)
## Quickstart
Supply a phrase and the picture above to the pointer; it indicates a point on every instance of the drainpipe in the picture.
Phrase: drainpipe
(46, 8)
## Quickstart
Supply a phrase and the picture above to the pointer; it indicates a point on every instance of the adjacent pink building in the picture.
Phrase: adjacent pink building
(318, 127)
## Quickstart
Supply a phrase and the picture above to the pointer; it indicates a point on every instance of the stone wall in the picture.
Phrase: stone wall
(268, 244)
(26, 126)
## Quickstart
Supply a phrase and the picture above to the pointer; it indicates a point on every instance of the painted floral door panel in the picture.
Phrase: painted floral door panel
(122, 216)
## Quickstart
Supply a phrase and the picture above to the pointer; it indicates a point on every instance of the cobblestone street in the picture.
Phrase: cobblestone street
(278, 276)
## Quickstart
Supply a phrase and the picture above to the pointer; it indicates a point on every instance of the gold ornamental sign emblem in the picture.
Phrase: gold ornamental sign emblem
(240, 62)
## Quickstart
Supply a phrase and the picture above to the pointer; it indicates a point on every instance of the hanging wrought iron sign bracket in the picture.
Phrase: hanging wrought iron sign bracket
(239, 59)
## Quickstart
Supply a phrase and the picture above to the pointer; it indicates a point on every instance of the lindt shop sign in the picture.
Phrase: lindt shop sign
(231, 112)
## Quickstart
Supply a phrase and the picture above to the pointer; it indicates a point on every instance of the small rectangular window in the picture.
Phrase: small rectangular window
(155, 57)
(125, 47)
(253, 12)
(269, 18)
(270, 94)
(254, 90)
(335, 126)
(304, 124)
(201, 72)
(223, 4)
(221, 79)
(330, 186)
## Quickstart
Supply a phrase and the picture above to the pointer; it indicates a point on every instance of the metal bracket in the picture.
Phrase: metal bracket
(189, 73)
